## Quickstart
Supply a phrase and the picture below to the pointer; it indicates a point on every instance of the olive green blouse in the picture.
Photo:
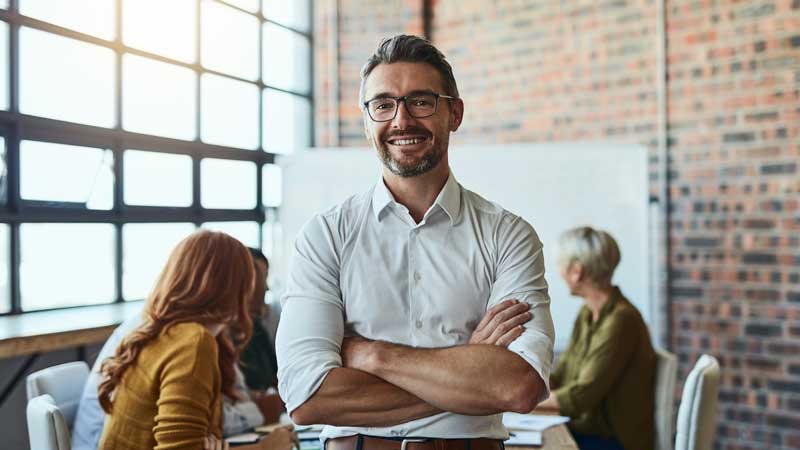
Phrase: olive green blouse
(605, 381)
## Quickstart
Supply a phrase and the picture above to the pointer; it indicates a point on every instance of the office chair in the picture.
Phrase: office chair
(666, 373)
(47, 428)
(697, 414)
(53, 397)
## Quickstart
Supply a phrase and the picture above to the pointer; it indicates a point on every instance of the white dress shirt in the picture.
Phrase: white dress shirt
(366, 267)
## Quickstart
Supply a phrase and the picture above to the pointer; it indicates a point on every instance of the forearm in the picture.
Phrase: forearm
(350, 397)
(467, 379)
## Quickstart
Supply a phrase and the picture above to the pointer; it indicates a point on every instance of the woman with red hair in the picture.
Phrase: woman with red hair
(163, 387)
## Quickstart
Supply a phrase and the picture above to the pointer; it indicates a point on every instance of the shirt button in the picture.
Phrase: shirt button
(418, 324)
(417, 276)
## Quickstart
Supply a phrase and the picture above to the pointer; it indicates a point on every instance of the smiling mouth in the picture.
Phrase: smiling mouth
(406, 141)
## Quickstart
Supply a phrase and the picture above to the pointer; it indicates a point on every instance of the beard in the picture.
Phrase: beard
(425, 164)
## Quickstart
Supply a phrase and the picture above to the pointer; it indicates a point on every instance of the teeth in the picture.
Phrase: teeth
(407, 141)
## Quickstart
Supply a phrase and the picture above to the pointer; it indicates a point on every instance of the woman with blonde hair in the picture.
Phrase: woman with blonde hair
(163, 386)
(605, 380)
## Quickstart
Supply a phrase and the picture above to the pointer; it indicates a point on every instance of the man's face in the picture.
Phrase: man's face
(410, 146)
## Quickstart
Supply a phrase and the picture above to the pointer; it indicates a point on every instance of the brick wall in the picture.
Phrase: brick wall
(586, 70)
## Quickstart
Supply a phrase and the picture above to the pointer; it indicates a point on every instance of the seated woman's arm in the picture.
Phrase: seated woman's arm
(189, 387)
(612, 346)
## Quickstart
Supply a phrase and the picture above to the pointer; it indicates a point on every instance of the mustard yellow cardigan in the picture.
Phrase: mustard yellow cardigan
(170, 397)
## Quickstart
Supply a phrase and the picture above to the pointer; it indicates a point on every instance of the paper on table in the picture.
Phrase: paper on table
(525, 438)
(532, 422)
(244, 438)
(309, 434)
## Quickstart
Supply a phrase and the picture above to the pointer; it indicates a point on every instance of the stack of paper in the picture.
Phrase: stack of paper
(531, 422)
(525, 438)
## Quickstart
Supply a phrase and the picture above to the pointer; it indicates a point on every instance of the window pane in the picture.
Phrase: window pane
(3, 65)
(66, 264)
(3, 171)
(95, 17)
(230, 40)
(287, 121)
(67, 173)
(271, 185)
(157, 179)
(227, 184)
(158, 98)
(146, 247)
(286, 59)
(65, 79)
(5, 294)
(229, 112)
(246, 232)
(295, 13)
(165, 28)
(247, 5)
(4, 4)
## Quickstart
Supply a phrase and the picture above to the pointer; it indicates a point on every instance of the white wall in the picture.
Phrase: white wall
(553, 186)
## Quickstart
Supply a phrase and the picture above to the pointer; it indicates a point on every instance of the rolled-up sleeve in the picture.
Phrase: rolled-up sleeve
(520, 275)
(311, 328)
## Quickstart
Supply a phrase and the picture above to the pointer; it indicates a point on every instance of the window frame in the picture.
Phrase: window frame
(16, 127)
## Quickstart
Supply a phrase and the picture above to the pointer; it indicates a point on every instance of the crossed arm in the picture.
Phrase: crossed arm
(382, 384)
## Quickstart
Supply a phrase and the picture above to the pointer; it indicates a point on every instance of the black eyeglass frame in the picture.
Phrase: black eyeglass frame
(403, 99)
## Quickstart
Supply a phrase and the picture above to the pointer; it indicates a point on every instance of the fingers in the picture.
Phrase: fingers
(493, 311)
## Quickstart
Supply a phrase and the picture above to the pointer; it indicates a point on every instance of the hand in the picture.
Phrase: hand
(356, 352)
(502, 323)
(270, 405)
(211, 442)
(282, 438)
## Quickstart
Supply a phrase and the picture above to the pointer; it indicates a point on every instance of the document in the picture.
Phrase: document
(532, 422)
(524, 438)
(243, 438)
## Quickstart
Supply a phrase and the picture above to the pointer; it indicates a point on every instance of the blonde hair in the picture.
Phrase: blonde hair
(208, 279)
(595, 250)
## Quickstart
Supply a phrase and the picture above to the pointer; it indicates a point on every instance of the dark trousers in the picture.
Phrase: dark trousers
(589, 442)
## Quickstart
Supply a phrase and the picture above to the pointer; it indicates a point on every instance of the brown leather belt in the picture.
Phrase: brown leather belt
(378, 443)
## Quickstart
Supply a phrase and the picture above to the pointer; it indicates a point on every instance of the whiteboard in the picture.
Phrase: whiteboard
(552, 186)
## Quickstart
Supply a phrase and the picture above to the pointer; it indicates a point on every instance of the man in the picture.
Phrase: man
(257, 360)
(381, 334)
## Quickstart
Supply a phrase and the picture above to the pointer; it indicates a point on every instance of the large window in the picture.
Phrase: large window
(127, 124)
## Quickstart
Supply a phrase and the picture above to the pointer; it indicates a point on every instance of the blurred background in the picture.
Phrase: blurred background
(127, 124)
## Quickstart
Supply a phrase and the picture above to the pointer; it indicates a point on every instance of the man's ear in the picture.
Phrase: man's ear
(457, 114)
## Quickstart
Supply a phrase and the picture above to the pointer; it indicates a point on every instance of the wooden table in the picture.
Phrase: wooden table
(38, 332)
(553, 438)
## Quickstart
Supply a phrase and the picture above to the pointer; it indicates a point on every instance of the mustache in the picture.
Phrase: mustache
(407, 131)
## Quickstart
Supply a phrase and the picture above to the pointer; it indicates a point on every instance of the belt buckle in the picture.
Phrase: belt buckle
(404, 444)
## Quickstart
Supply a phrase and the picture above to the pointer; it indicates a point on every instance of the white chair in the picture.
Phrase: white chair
(666, 373)
(47, 428)
(697, 414)
(53, 397)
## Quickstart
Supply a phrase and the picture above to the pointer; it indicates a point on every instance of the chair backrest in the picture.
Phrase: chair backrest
(47, 429)
(666, 373)
(64, 383)
(697, 415)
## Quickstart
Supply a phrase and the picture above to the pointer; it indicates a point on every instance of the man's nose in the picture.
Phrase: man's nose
(402, 118)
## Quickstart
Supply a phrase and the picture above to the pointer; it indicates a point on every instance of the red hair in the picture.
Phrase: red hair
(208, 279)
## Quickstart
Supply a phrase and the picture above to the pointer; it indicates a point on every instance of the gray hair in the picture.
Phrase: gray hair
(408, 48)
(595, 250)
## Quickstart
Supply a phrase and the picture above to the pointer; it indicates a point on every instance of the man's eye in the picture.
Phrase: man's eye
(382, 105)
(421, 102)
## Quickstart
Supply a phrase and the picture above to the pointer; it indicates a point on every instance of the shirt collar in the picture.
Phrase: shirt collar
(449, 199)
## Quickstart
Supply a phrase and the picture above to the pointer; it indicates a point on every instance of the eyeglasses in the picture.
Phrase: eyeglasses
(419, 106)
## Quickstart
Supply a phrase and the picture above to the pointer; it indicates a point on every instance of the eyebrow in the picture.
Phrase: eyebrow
(389, 94)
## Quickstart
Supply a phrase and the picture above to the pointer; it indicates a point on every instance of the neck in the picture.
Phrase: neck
(417, 193)
(596, 297)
